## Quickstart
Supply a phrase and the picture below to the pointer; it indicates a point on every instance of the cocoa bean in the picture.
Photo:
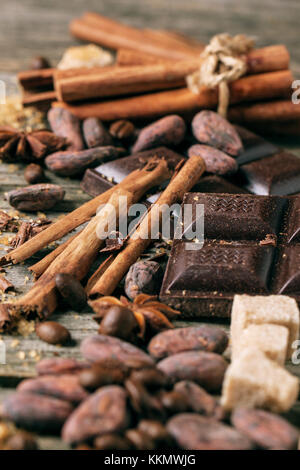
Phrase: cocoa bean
(102, 413)
(38, 63)
(65, 124)
(52, 332)
(212, 129)
(195, 432)
(139, 440)
(156, 431)
(118, 321)
(66, 387)
(152, 378)
(34, 173)
(175, 402)
(122, 129)
(71, 163)
(267, 430)
(103, 373)
(37, 197)
(111, 442)
(22, 441)
(169, 130)
(144, 403)
(143, 277)
(101, 348)
(95, 134)
(71, 291)
(199, 400)
(59, 366)
(36, 412)
(216, 161)
(202, 338)
(205, 368)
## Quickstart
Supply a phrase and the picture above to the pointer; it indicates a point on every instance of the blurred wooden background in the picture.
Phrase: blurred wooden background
(31, 27)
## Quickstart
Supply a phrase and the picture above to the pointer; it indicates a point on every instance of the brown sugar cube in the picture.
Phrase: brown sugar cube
(273, 309)
(270, 339)
(254, 381)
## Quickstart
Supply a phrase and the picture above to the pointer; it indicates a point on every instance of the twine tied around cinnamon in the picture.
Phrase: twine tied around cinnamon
(223, 62)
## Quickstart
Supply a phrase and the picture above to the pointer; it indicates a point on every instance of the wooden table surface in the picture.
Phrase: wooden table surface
(39, 27)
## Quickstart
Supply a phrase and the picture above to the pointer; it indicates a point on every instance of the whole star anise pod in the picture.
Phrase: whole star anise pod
(148, 311)
(18, 145)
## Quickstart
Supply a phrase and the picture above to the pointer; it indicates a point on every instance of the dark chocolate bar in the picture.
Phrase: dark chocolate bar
(252, 246)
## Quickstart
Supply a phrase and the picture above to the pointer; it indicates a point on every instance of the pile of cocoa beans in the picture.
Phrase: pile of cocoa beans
(91, 143)
(120, 397)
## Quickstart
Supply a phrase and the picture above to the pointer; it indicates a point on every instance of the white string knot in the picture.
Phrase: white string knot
(223, 62)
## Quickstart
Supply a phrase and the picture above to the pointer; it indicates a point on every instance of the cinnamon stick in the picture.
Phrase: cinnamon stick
(40, 267)
(124, 81)
(182, 101)
(40, 101)
(70, 73)
(93, 27)
(263, 60)
(43, 79)
(270, 111)
(267, 59)
(36, 79)
(186, 178)
(176, 39)
(129, 57)
(139, 181)
(98, 273)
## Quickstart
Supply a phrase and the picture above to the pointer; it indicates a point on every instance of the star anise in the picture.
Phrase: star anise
(148, 311)
(18, 145)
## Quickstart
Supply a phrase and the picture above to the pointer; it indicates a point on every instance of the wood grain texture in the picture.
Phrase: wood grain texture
(39, 27)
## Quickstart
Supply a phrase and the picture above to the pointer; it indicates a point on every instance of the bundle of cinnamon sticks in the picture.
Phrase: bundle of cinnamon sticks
(148, 79)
